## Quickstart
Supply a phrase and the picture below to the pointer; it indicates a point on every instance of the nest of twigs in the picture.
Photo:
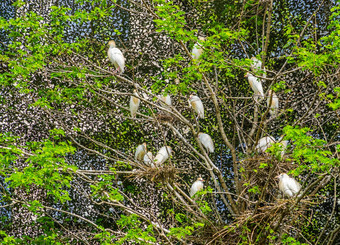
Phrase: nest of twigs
(164, 118)
(158, 174)
(253, 223)
(260, 169)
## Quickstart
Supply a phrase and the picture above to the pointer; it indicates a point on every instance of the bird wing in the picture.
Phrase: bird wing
(274, 105)
(293, 186)
(192, 190)
(284, 188)
(134, 104)
(207, 142)
(148, 159)
(160, 158)
(168, 100)
(196, 186)
(196, 51)
(199, 108)
(117, 58)
(139, 153)
(162, 155)
(275, 102)
(264, 143)
(258, 85)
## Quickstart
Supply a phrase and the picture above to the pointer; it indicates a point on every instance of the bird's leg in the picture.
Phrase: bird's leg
(114, 71)
(256, 99)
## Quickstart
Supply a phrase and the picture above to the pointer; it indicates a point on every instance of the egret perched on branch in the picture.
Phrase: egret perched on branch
(288, 186)
(116, 57)
(134, 104)
(166, 99)
(206, 141)
(264, 143)
(140, 152)
(162, 155)
(197, 49)
(256, 66)
(284, 144)
(148, 159)
(273, 103)
(196, 186)
(197, 104)
(255, 84)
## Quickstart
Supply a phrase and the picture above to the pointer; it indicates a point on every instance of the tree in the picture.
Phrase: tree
(68, 171)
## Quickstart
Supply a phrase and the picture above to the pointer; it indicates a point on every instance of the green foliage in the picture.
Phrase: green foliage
(171, 20)
(335, 104)
(182, 232)
(254, 189)
(287, 240)
(132, 226)
(6, 239)
(36, 45)
(105, 237)
(44, 164)
(309, 152)
(104, 190)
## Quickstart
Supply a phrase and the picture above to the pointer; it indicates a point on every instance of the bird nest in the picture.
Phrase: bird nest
(261, 222)
(157, 174)
(165, 118)
(260, 169)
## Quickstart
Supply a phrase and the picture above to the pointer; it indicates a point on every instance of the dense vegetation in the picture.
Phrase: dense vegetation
(68, 172)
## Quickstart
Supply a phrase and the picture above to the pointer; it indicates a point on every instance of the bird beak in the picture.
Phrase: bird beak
(277, 176)
(245, 75)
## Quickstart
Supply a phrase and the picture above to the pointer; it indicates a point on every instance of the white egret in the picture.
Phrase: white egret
(197, 104)
(140, 152)
(197, 49)
(134, 104)
(162, 155)
(255, 84)
(284, 145)
(166, 99)
(196, 186)
(288, 186)
(256, 66)
(206, 141)
(148, 159)
(116, 57)
(264, 143)
(273, 103)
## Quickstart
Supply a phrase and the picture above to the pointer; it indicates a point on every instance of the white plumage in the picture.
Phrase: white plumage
(140, 152)
(196, 186)
(162, 155)
(264, 143)
(273, 103)
(206, 141)
(197, 49)
(255, 84)
(148, 159)
(288, 186)
(134, 104)
(166, 99)
(197, 104)
(284, 145)
(116, 57)
(256, 66)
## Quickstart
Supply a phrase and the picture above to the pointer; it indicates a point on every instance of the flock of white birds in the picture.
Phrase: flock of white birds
(287, 185)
